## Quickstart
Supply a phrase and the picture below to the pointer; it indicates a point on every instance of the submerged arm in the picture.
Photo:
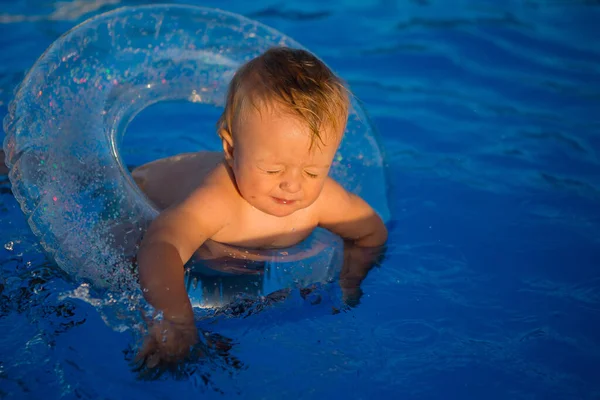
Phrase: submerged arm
(363, 231)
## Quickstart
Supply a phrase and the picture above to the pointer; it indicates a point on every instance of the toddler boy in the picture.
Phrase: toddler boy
(283, 121)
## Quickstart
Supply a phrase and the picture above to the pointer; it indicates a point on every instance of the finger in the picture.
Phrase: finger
(147, 347)
(153, 360)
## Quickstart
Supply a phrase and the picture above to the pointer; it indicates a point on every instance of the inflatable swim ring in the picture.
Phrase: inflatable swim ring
(67, 120)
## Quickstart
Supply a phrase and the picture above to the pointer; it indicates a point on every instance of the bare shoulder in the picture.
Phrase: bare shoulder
(349, 216)
(170, 180)
(201, 215)
(333, 195)
(217, 190)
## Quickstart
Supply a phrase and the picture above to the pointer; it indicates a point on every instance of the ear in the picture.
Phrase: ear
(227, 140)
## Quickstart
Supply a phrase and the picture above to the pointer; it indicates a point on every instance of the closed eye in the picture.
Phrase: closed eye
(272, 172)
(311, 175)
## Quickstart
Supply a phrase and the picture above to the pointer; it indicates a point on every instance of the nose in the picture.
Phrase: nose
(290, 183)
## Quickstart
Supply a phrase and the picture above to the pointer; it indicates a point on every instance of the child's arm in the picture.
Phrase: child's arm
(350, 217)
(364, 232)
(169, 243)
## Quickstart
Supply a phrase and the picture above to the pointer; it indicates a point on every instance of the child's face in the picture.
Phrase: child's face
(275, 169)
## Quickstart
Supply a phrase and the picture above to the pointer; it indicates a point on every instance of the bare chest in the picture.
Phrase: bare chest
(255, 229)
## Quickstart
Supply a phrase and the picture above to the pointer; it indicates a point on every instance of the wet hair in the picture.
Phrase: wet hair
(295, 80)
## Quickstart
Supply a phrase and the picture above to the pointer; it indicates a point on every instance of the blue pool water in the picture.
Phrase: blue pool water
(489, 115)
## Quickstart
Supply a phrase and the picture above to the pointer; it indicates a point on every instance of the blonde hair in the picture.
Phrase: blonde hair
(296, 79)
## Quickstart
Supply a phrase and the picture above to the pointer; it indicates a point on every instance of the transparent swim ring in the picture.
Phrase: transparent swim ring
(66, 124)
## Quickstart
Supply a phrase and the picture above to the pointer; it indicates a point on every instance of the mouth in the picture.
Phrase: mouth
(283, 201)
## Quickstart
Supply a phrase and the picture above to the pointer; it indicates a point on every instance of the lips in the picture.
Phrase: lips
(283, 201)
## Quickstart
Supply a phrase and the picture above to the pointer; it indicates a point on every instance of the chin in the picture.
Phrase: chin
(284, 214)
(280, 211)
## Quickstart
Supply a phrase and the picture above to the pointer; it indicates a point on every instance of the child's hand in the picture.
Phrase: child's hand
(167, 343)
(358, 261)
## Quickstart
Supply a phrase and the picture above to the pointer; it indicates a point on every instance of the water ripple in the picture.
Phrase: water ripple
(507, 19)
(405, 335)
(585, 293)
(289, 14)
(63, 11)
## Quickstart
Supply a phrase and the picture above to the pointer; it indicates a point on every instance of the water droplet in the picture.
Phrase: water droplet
(9, 245)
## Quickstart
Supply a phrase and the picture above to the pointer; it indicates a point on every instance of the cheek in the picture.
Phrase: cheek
(242, 178)
(313, 189)
(252, 184)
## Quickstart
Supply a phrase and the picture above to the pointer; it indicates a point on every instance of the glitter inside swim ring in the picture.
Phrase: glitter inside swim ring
(67, 120)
